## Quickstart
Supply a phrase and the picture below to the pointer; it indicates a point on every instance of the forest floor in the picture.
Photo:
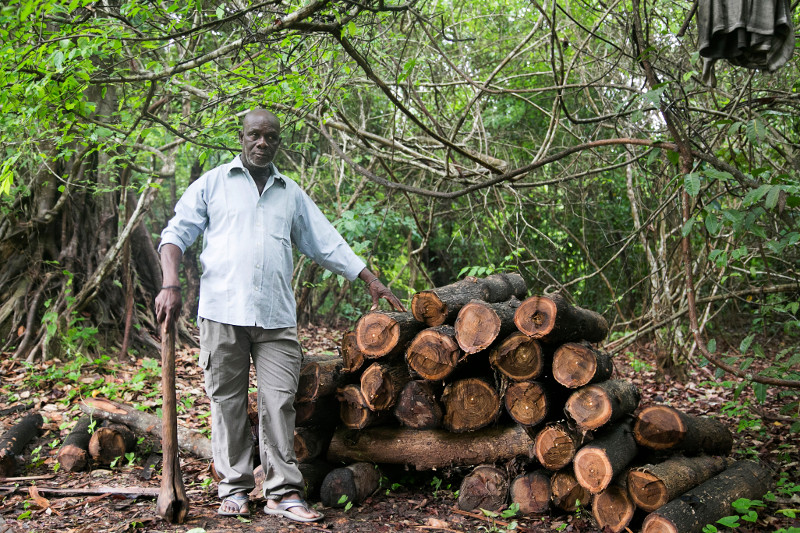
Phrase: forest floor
(408, 501)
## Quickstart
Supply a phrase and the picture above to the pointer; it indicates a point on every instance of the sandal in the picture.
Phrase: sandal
(283, 509)
(240, 501)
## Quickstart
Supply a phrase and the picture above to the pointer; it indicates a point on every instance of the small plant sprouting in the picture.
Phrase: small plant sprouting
(347, 506)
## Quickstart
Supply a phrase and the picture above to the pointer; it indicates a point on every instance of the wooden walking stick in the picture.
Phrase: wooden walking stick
(172, 505)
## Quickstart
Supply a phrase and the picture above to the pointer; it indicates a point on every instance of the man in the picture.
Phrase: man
(250, 215)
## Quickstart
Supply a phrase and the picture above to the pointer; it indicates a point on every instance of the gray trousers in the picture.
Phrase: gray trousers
(225, 354)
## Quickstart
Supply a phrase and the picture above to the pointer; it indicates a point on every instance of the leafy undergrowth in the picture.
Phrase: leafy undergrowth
(407, 501)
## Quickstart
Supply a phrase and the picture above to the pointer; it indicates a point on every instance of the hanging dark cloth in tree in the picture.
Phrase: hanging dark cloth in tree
(754, 34)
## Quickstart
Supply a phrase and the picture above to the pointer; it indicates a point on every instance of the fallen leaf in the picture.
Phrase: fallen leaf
(38, 500)
(435, 522)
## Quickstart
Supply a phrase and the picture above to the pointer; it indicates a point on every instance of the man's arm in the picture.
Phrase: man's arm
(378, 290)
(168, 301)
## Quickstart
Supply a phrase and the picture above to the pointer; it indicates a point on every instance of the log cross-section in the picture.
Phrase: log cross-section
(556, 444)
(660, 427)
(600, 461)
(531, 491)
(479, 323)
(418, 406)
(594, 406)
(381, 384)
(566, 492)
(553, 320)
(469, 404)
(434, 353)
(578, 364)
(518, 356)
(486, 487)
(532, 402)
(385, 333)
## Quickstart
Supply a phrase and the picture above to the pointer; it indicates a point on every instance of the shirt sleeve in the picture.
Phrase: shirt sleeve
(190, 218)
(316, 237)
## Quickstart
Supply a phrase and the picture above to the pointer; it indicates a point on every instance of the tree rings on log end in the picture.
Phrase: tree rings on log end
(658, 524)
(434, 353)
(613, 509)
(477, 326)
(352, 358)
(469, 404)
(519, 357)
(554, 447)
(526, 402)
(377, 334)
(353, 409)
(536, 316)
(659, 427)
(567, 493)
(593, 470)
(427, 307)
(590, 407)
(646, 490)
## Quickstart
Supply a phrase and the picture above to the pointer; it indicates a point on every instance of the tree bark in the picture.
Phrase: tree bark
(351, 484)
(188, 440)
(434, 353)
(479, 323)
(556, 444)
(594, 406)
(352, 357)
(385, 333)
(382, 383)
(486, 487)
(14, 440)
(531, 492)
(519, 357)
(469, 404)
(553, 320)
(660, 427)
(74, 453)
(652, 486)
(613, 509)
(353, 409)
(441, 305)
(418, 407)
(111, 442)
(531, 402)
(432, 448)
(710, 501)
(579, 364)
(603, 459)
(566, 492)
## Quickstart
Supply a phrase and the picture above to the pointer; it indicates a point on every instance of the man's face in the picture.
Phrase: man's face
(260, 138)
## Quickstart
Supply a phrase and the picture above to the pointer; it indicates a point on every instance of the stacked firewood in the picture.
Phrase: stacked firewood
(476, 374)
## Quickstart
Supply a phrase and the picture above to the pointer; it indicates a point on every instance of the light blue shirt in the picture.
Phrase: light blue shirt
(247, 244)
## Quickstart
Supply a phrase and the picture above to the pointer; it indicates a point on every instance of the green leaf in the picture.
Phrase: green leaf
(746, 342)
(691, 182)
(729, 521)
(687, 227)
(712, 345)
(760, 390)
(772, 197)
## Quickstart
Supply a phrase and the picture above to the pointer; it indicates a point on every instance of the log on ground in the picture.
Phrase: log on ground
(553, 320)
(432, 448)
(479, 323)
(531, 491)
(350, 484)
(599, 462)
(385, 333)
(660, 427)
(486, 487)
(519, 357)
(14, 440)
(110, 442)
(568, 495)
(381, 384)
(652, 486)
(594, 406)
(418, 406)
(555, 445)
(578, 364)
(434, 353)
(613, 509)
(469, 404)
(710, 501)
(74, 453)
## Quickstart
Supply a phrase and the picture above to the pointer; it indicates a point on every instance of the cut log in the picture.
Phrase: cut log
(385, 333)
(469, 404)
(710, 501)
(613, 509)
(434, 353)
(321, 377)
(441, 305)
(594, 406)
(660, 427)
(486, 487)
(553, 320)
(431, 448)
(567, 493)
(354, 411)
(652, 486)
(381, 384)
(352, 358)
(14, 440)
(556, 444)
(311, 443)
(603, 459)
(531, 492)
(188, 440)
(321, 412)
(418, 406)
(111, 442)
(532, 402)
(74, 453)
(479, 323)
(578, 364)
(351, 484)
(519, 357)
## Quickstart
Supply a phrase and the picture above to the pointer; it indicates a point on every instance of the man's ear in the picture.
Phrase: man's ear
(241, 136)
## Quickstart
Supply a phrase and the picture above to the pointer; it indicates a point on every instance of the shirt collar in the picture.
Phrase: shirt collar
(236, 164)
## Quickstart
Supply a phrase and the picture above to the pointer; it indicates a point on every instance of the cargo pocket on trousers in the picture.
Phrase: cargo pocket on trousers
(205, 359)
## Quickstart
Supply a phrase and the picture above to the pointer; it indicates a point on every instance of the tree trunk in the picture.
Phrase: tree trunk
(652, 486)
(486, 487)
(353, 409)
(14, 440)
(382, 383)
(556, 444)
(710, 501)
(567, 493)
(441, 305)
(613, 509)
(578, 364)
(553, 320)
(603, 459)
(111, 442)
(660, 427)
(418, 407)
(74, 453)
(352, 358)
(311, 443)
(594, 406)
(320, 377)
(188, 440)
(519, 357)
(531, 402)
(321, 412)
(431, 448)
(351, 484)
(469, 404)
(384, 333)
(531, 492)
(434, 353)
(479, 323)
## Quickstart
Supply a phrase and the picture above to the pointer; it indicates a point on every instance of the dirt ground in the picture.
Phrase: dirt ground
(407, 501)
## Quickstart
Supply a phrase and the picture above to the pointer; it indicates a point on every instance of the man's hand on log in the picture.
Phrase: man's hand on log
(378, 290)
